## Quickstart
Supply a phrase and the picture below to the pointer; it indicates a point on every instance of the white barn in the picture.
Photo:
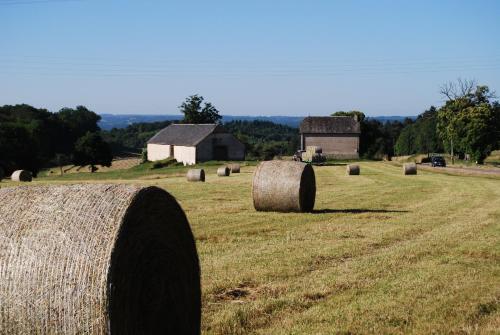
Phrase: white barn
(193, 143)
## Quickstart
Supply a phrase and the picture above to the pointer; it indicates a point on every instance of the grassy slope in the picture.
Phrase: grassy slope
(385, 253)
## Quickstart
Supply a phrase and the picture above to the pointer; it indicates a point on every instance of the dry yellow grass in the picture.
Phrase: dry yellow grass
(383, 253)
(117, 164)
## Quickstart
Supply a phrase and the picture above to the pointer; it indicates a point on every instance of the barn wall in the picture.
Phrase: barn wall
(185, 155)
(204, 150)
(157, 152)
(235, 149)
(335, 145)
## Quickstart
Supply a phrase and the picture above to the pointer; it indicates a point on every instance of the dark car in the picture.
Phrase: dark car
(438, 161)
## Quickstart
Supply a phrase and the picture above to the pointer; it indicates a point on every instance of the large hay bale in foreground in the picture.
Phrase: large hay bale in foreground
(352, 169)
(96, 259)
(21, 175)
(196, 175)
(284, 186)
(235, 168)
(223, 171)
(409, 168)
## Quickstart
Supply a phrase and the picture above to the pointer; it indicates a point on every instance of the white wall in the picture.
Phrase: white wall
(185, 155)
(157, 152)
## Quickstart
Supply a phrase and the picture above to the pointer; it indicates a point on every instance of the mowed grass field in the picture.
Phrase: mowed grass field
(382, 253)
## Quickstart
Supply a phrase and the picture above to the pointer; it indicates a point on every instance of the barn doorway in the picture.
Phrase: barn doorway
(220, 153)
(171, 151)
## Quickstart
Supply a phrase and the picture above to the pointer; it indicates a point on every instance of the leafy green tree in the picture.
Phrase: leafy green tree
(468, 122)
(92, 150)
(75, 123)
(420, 136)
(41, 125)
(18, 149)
(195, 113)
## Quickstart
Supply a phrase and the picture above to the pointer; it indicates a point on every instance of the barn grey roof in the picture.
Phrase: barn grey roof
(330, 125)
(184, 134)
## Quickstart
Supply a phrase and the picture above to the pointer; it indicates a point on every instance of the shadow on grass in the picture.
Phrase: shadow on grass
(355, 211)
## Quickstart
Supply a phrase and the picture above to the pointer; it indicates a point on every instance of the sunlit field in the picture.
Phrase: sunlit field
(382, 253)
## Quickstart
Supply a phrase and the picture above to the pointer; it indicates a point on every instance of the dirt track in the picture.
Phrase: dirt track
(462, 170)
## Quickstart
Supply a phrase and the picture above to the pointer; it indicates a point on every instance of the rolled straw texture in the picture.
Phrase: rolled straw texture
(96, 259)
(21, 175)
(409, 168)
(223, 171)
(284, 186)
(235, 168)
(196, 175)
(352, 169)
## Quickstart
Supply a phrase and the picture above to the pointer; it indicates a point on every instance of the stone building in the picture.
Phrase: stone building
(338, 136)
(193, 143)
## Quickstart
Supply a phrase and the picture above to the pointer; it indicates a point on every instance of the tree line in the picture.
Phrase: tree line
(32, 138)
(467, 124)
(377, 138)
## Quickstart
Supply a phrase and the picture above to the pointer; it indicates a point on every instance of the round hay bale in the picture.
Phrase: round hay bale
(409, 168)
(223, 171)
(235, 168)
(352, 169)
(284, 186)
(196, 175)
(96, 259)
(21, 175)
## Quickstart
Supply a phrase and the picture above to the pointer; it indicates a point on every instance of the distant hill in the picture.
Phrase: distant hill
(110, 121)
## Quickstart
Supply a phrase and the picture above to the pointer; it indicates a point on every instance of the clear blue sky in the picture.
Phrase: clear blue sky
(247, 57)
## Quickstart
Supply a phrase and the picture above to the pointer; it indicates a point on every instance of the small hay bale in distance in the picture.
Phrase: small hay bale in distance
(196, 175)
(21, 175)
(352, 169)
(284, 186)
(223, 171)
(409, 168)
(235, 168)
(96, 259)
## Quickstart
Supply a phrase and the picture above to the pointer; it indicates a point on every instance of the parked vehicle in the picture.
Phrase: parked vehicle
(438, 161)
(312, 155)
(298, 155)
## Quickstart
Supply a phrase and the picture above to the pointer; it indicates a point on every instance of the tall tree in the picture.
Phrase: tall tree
(76, 123)
(468, 122)
(91, 149)
(420, 136)
(18, 149)
(195, 113)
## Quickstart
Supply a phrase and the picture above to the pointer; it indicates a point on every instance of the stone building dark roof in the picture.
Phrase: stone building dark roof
(184, 134)
(330, 125)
